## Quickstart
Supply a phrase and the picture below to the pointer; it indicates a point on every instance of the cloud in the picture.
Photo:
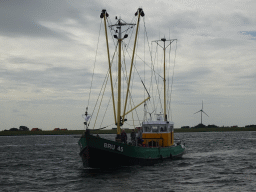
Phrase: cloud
(48, 52)
(249, 34)
(26, 18)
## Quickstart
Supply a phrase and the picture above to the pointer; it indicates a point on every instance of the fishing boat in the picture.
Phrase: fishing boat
(155, 138)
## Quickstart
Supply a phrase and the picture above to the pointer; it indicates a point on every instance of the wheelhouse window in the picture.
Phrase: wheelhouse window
(147, 129)
(170, 128)
(163, 129)
(155, 129)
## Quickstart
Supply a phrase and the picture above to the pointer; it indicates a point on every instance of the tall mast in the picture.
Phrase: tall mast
(165, 115)
(119, 83)
(164, 79)
(118, 26)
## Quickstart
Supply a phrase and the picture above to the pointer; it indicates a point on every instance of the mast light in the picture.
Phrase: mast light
(141, 12)
(103, 12)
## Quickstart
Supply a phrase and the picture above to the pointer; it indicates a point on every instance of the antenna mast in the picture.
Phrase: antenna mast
(164, 48)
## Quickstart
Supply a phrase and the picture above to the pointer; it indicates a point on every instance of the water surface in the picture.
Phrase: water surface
(213, 162)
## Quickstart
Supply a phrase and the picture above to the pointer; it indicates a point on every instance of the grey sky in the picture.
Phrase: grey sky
(47, 53)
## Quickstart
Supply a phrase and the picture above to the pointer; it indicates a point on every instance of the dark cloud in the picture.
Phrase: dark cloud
(24, 18)
(57, 78)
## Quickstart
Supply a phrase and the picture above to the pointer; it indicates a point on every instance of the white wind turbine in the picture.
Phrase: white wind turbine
(201, 113)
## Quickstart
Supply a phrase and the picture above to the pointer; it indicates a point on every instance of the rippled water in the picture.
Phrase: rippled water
(213, 162)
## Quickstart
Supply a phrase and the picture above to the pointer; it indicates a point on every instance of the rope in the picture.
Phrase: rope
(94, 64)
(157, 83)
(168, 90)
(105, 79)
(114, 85)
(173, 77)
(130, 90)
(105, 82)
(126, 78)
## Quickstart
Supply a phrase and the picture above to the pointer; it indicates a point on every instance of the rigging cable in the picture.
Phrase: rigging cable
(94, 64)
(114, 85)
(173, 78)
(124, 69)
(157, 82)
(130, 96)
(130, 90)
(151, 59)
(168, 90)
(116, 45)
(104, 82)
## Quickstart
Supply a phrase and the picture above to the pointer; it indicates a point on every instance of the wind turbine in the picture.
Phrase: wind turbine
(201, 113)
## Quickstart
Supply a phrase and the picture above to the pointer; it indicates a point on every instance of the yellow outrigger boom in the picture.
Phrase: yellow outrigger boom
(135, 41)
(105, 14)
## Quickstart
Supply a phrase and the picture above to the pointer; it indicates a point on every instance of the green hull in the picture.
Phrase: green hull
(98, 152)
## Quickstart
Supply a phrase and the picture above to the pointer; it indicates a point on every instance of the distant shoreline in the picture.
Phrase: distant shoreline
(80, 132)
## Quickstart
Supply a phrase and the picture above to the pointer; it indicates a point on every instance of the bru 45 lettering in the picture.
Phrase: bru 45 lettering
(113, 147)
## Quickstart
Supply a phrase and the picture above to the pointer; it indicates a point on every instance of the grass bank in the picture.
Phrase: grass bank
(79, 132)
(68, 132)
(20, 133)
(217, 129)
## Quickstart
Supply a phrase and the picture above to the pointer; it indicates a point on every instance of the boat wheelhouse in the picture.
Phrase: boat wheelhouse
(158, 133)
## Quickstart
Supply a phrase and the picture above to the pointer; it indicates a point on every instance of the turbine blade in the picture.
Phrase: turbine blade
(205, 113)
(197, 112)
(202, 105)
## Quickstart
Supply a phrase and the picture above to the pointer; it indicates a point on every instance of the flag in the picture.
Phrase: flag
(87, 118)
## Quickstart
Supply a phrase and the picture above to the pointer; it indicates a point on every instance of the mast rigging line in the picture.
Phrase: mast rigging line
(104, 127)
(94, 69)
(104, 82)
(145, 32)
(108, 104)
(152, 68)
(137, 71)
(174, 63)
(151, 59)
(140, 79)
(168, 89)
(166, 68)
(130, 95)
(145, 63)
(94, 64)
(157, 81)
(126, 77)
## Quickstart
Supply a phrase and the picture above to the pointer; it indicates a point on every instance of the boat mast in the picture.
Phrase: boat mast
(165, 115)
(119, 123)
(118, 25)
(164, 48)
